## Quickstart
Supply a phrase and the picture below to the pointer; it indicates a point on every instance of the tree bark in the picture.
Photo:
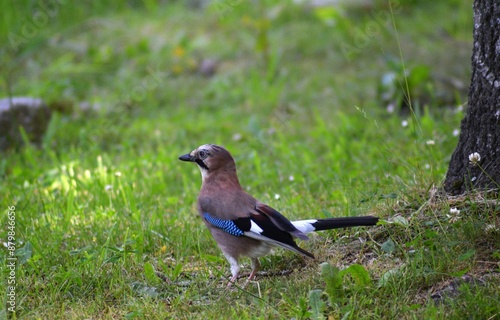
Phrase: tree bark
(480, 129)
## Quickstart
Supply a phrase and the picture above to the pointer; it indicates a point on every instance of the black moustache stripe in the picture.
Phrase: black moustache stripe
(201, 164)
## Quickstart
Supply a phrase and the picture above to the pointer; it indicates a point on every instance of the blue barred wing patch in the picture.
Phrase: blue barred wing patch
(227, 225)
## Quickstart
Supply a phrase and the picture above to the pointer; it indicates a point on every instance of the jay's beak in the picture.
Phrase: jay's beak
(187, 157)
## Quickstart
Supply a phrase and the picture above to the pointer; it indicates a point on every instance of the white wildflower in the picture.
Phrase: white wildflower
(474, 158)
(108, 187)
(404, 123)
(456, 132)
(237, 137)
(430, 142)
(454, 215)
(490, 228)
(276, 196)
(291, 178)
(391, 107)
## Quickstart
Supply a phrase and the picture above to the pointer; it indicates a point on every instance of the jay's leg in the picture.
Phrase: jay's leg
(255, 268)
(235, 269)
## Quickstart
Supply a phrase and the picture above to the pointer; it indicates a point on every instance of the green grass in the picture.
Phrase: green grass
(104, 202)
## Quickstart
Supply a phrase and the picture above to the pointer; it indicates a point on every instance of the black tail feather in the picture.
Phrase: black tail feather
(346, 222)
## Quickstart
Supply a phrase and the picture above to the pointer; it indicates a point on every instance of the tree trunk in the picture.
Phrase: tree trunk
(480, 129)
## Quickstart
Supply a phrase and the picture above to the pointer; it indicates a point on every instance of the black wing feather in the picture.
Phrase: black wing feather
(279, 220)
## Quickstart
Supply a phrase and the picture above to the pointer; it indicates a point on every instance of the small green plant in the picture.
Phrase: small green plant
(339, 285)
(120, 253)
(317, 304)
(399, 85)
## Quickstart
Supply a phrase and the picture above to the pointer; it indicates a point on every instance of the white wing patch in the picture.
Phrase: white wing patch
(305, 225)
(255, 228)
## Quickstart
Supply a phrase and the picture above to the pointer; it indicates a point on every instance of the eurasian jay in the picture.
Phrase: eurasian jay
(243, 226)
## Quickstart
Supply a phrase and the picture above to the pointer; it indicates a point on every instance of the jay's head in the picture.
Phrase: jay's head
(210, 158)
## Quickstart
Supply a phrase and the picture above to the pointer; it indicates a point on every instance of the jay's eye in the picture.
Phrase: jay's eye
(202, 154)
